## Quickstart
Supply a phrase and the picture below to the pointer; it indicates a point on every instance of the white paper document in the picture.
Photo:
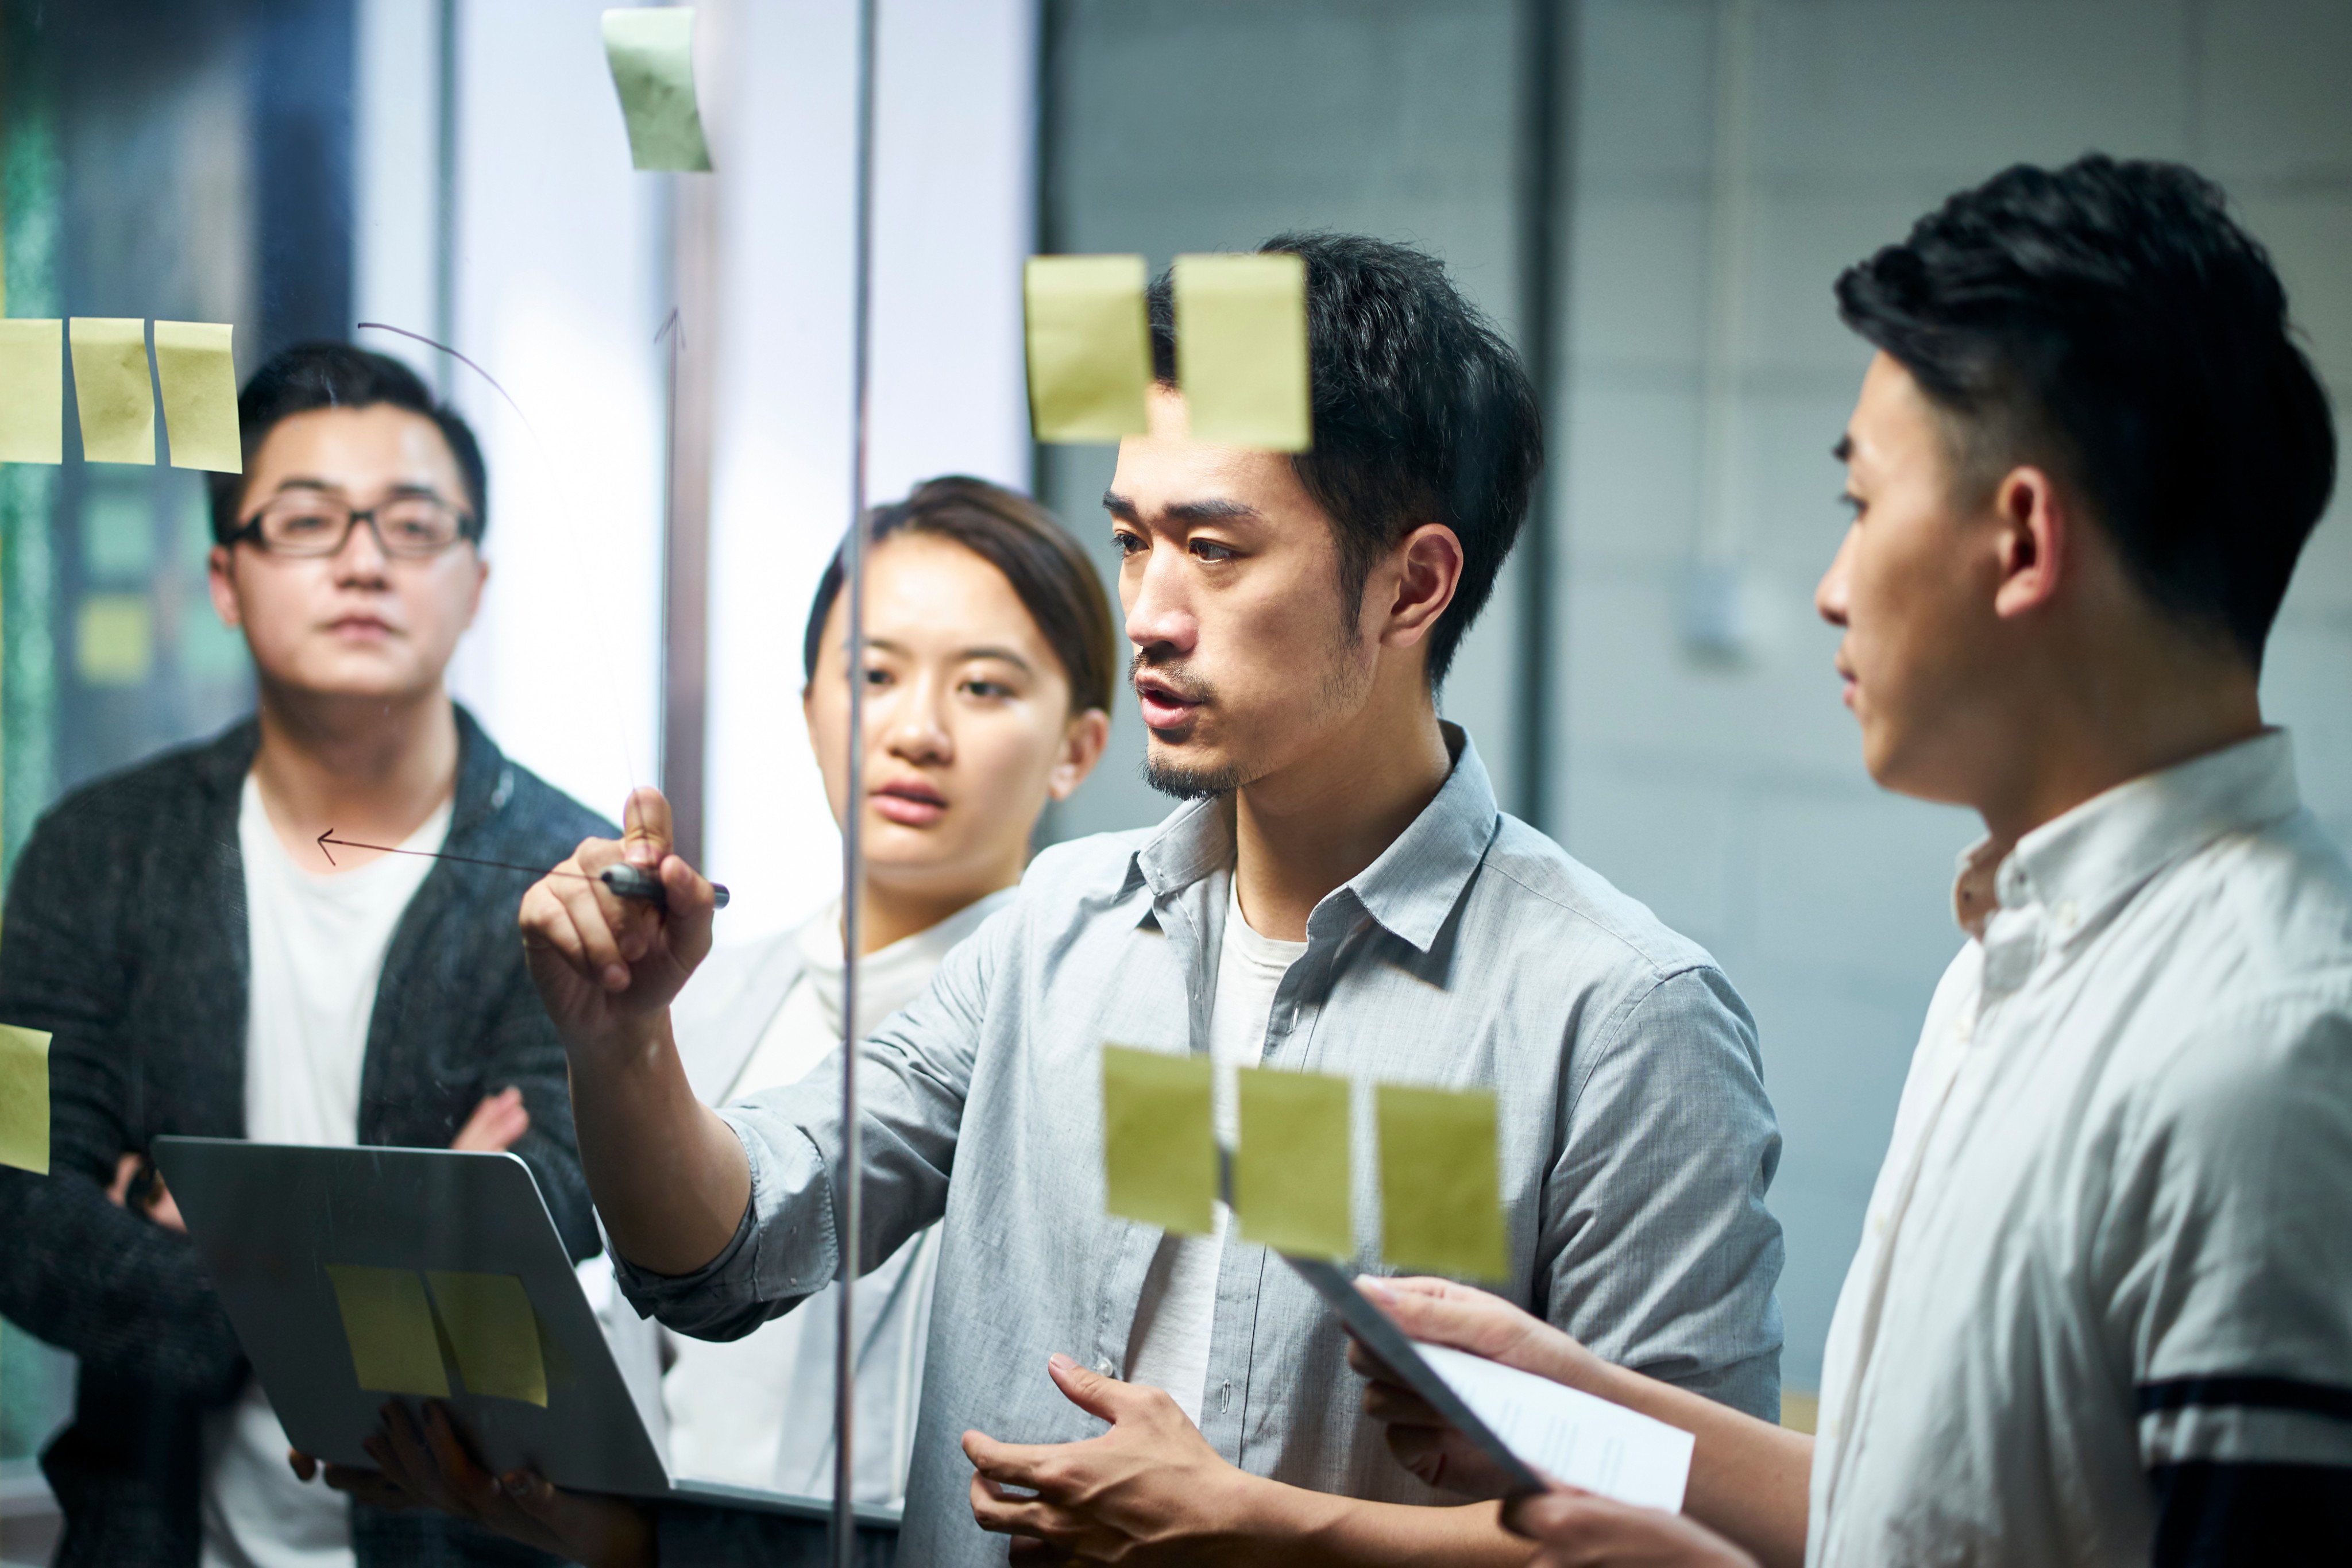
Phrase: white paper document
(1569, 1434)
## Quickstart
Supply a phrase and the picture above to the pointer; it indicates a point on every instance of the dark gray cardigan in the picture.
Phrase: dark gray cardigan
(125, 937)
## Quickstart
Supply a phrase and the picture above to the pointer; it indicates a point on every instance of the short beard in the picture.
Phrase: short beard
(1190, 783)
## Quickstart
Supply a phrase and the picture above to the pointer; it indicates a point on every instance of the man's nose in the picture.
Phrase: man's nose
(1160, 612)
(361, 558)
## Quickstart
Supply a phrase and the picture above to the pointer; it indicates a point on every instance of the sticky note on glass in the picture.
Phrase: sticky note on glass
(390, 1328)
(651, 51)
(199, 380)
(25, 1099)
(32, 391)
(1440, 1182)
(493, 1334)
(1090, 347)
(1290, 1174)
(1241, 350)
(1160, 1141)
(114, 640)
(111, 392)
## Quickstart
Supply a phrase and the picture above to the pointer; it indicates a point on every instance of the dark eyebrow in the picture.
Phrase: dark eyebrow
(990, 651)
(1844, 451)
(1119, 507)
(1003, 654)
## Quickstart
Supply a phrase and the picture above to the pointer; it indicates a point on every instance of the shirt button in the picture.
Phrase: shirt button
(1104, 1367)
(1224, 1395)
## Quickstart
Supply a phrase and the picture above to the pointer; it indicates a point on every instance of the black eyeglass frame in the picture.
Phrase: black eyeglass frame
(469, 531)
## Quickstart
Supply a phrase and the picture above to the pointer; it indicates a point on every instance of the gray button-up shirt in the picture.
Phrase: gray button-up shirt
(1636, 1141)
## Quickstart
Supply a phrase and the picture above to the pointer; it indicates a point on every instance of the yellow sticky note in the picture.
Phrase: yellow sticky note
(1440, 1182)
(1290, 1174)
(111, 392)
(1160, 1141)
(32, 391)
(390, 1327)
(493, 1334)
(114, 640)
(651, 51)
(198, 376)
(25, 1099)
(1089, 346)
(1241, 350)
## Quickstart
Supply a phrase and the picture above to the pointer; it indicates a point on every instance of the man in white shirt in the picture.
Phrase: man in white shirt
(206, 968)
(2102, 1311)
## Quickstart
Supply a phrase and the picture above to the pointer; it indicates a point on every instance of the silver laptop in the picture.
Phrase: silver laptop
(268, 1220)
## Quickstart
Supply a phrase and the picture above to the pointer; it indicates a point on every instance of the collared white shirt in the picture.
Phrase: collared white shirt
(2114, 1230)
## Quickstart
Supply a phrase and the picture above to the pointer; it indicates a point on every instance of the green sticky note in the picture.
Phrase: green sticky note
(651, 51)
(25, 1099)
(1160, 1141)
(1290, 1174)
(114, 640)
(390, 1327)
(32, 391)
(1440, 1182)
(198, 376)
(111, 392)
(1090, 347)
(1241, 350)
(493, 1333)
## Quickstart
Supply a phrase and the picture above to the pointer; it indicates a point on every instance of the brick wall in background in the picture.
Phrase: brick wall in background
(1709, 768)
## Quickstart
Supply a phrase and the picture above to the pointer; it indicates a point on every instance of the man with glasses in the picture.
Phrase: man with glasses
(205, 969)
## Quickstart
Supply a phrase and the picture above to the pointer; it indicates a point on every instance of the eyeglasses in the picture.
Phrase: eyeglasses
(307, 524)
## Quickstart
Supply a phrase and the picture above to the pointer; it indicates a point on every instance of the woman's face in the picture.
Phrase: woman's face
(967, 724)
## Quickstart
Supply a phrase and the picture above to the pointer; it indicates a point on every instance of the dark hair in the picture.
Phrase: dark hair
(337, 375)
(1421, 413)
(1055, 581)
(2110, 320)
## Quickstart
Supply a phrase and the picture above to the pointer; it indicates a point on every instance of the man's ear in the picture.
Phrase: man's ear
(2034, 542)
(481, 581)
(220, 576)
(1427, 570)
(1083, 740)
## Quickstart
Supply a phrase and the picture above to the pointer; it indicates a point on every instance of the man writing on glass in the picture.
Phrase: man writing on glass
(1338, 893)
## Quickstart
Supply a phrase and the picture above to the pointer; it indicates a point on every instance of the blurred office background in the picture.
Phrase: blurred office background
(1652, 196)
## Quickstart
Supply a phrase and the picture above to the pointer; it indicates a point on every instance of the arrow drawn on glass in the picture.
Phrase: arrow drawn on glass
(623, 880)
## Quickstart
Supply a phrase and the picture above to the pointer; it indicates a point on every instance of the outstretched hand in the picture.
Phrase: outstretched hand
(607, 965)
(1441, 1312)
(1150, 1489)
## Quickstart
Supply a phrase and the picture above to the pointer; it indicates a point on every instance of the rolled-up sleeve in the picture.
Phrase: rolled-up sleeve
(913, 1075)
(1659, 1252)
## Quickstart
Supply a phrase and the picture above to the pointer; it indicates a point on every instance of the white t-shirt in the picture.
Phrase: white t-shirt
(733, 1407)
(316, 943)
(1179, 1307)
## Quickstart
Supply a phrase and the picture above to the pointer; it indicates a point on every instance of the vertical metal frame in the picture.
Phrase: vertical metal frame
(853, 880)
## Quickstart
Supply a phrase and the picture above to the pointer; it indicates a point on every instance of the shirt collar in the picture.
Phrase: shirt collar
(2082, 863)
(1410, 889)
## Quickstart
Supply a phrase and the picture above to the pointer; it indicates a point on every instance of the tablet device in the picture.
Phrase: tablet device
(270, 1220)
